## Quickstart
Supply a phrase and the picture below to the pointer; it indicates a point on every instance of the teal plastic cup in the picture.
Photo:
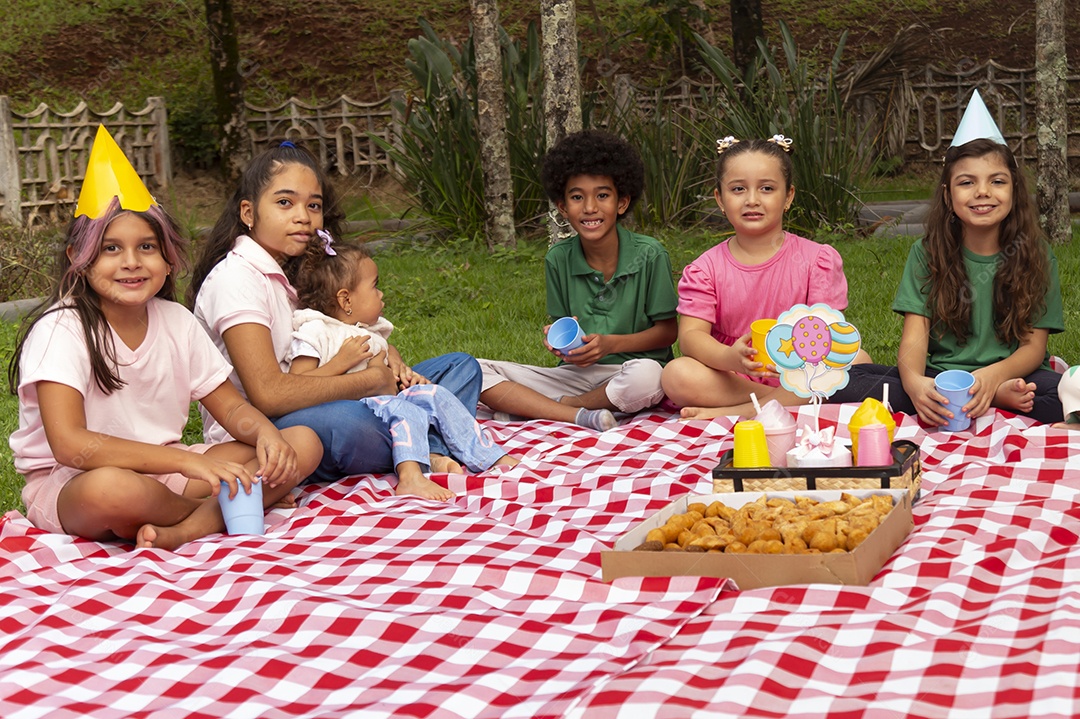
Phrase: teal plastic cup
(955, 385)
(565, 334)
(243, 513)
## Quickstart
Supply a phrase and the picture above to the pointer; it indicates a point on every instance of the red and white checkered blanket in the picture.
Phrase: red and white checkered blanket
(360, 603)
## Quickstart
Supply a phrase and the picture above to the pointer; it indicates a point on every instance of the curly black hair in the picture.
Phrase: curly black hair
(593, 152)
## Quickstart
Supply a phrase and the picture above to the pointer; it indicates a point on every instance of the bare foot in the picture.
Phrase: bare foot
(687, 413)
(1015, 395)
(421, 486)
(508, 460)
(159, 537)
(146, 536)
(286, 502)
(442, 463)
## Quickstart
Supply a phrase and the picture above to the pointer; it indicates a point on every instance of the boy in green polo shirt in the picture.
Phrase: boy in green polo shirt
(618, 285)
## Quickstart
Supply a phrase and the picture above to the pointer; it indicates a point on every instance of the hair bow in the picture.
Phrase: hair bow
(822, 441)
(784, 142)
(725, 143)
(327, 241)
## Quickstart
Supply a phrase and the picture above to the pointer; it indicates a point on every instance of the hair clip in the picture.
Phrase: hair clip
(784, 142)
(287, 143)
(327, 241)
(725, 144)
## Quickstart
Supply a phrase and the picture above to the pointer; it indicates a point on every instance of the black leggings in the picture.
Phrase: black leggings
(866, 380)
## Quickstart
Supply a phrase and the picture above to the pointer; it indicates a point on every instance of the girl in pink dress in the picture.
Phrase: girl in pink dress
(759, 272)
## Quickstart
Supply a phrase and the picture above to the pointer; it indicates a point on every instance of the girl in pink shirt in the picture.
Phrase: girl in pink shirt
(106, 369)
(760, 272)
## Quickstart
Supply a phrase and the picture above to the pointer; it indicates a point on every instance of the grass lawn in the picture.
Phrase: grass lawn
(446, 297)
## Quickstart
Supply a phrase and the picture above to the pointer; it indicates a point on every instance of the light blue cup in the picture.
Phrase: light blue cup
(955, 385)
(244, 512)
(565, 334)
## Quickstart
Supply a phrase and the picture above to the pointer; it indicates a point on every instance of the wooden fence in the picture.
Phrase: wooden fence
(939, 98)
(43, 153)
(340, 133)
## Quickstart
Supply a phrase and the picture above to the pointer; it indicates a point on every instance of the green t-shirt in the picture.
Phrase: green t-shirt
(983, 346)
(639, 294)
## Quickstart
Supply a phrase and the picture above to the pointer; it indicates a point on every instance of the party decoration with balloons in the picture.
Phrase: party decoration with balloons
(812, 349)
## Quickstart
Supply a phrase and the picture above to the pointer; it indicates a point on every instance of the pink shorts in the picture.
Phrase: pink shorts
(43, 489)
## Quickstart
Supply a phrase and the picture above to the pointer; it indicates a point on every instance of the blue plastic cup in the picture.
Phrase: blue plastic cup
(244, 512)
(565, 334)
(955, 385)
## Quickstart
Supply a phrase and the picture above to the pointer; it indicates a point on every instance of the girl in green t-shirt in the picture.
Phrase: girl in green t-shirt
(980, 292)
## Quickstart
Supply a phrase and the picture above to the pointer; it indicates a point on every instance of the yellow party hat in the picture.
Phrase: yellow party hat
(109, 175)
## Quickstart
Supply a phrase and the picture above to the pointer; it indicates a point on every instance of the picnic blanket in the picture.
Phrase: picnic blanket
(361, 603)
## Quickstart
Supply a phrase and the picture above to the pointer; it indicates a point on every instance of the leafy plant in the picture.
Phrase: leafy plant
(439, 154)
(678, 170)
(790, 95)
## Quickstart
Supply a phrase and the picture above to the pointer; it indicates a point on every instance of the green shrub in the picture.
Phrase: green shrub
(678, 168)
(440, 147)
(193, 131)
(790, 95)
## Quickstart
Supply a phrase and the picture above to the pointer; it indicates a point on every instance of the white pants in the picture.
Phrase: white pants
(631, 386)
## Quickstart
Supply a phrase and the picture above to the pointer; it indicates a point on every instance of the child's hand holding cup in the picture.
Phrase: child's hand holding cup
(565, 334)
(243, 512)
(955, 386)
(758, 330)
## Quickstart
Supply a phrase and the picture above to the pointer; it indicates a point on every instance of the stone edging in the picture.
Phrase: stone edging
(13, 311)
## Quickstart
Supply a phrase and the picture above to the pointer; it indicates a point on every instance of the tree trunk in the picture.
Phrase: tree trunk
(1052, 176)
(228, 86)
(491, 118)
(562, 83)
(746, 28)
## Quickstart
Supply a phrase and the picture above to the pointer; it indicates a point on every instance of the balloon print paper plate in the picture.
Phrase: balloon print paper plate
(812, 348)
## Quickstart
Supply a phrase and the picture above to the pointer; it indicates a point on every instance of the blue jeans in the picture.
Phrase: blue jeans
(356, 441)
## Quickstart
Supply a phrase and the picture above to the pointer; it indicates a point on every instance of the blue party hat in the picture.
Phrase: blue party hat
(977, 124)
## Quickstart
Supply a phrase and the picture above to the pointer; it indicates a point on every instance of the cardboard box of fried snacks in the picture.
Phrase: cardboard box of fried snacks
(751, 570)
(904, 473)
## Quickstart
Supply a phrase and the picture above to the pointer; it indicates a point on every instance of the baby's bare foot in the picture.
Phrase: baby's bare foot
(421, 486)
(1015, 395)
(442, 463)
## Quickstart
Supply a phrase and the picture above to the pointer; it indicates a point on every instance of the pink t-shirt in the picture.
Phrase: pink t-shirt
(721, 290)
(175, 365)
(246, 287)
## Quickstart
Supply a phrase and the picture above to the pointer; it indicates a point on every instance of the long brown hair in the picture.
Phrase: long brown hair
(253, 182)
(72, 288)
(1023, 267)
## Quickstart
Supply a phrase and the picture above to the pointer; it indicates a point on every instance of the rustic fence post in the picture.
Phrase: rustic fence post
(397, 131)
(625, 104)
(10, 184)
(162, 151)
